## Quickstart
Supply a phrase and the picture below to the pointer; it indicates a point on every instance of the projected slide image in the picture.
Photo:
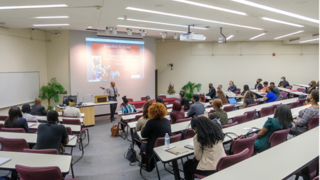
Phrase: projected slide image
(115, 59)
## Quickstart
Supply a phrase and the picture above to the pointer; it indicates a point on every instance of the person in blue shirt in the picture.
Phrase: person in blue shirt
(128, 108)
(232, 87)
(15, 119)
(271, 96)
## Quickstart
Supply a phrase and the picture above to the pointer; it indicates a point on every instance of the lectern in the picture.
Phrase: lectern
(101, 99)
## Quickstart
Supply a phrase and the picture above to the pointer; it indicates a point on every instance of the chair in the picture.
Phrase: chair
(39, 173)
(176, 112)
(275, 107)
(82, 130)
(250, 115)
(209, 106)
(16, 145)
(266, 111)
(163, 96)
(257, 102)
(228, 108)
(313, 168)
(241, 144)
(3, 117)
(143, 98)
(130, 99)
(238, 91)
(301, 101)
(313, 122)
(184, 120)
(278, 137)
(316, 178)
(229, 125)
(15, 130)
(42, 151)
(189, 133)
(250, 105)
(294, 105)
(240, 119)
(303, 90)
(211, 111)
(289, 87)
(284, 95)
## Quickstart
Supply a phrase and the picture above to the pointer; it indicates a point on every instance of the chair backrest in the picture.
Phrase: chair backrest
(1, 125)
(228, 161)
(289, 87)
(301, 90)
(162, 96)
(137, 117)
(16, 145)
(71, 121)
(294, 105)
(257, 102)
(250, 105)
(211, 111)
(143, 98)
(240, 119)
(39, 173)
(313, 122)
(189, 133)
(284, 95)
(176, 116)
(316, 178)
(15, 130)
(238, 91)
(301, 101)
(228, 108)
(275, 107)
(241, 144)
(278, 137)
(184, 120)
(160, 140)
(130, 99)
(266, 111)
(69, 130)
(41, 151)
(250, 114)
(3, 117)
(229, 125)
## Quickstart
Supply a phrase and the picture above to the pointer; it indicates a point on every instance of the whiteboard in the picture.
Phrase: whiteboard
(18, 88)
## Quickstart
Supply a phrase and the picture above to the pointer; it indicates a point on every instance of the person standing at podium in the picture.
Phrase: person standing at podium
(112, 91)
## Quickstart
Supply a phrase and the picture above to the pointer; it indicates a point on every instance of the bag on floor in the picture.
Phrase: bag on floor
(131, 155)
(114, 130)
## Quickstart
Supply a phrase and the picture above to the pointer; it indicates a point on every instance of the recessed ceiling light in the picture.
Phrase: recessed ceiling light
(33, 6)
(282, 22)
(211, 7)
(258, 36)
(89, 27)
(51, 25)
(309, 40)
(231, 36)
(150, 28)
(154, 22)
(276, 10)
(51, 17)
(288, 34)
(188, 17)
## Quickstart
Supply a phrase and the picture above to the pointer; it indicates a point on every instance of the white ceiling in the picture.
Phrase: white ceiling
(83, 13)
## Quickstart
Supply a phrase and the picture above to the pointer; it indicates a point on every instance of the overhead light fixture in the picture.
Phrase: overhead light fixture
(211, 7)
(176, 36)
(137, 27)
(51, 25)
(51, 17)
(129, 32)
(258, 36)
(142, 33)
(188, 17)
(220, 40)
(164, 35)
(282, 22)
(33, 6)
(276, 10)
(114, 30)
(107, 31)
(229, 37)
(154, 22)
(309, 40)
(288, 34)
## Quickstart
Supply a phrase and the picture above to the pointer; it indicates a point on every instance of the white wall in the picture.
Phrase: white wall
(20, 54)
(241, 62)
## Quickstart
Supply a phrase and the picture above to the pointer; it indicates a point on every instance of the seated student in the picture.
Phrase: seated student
(197, 108)
(265, 85)
(232, 87)
(15, 119)
(276, 90)
(142, 121)
(160, 100)
(219, 113)
(245, 89)
(181, 95)
(176, 113)
(127, 108)
(147, 98)
(185, 105)
(72, 110)
(208, 148)
(201, 96)
(156, 127)
(222, 97)
(313, 85)
(212, 91)
(270, 97)
(306, 114)
(219, 88)
(282, 120)
(283, 82)
(38, 109)
(26, 113)
(248, 99)
(258, 86)
(51, 134)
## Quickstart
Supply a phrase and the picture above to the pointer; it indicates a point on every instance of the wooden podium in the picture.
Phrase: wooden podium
(101, 99)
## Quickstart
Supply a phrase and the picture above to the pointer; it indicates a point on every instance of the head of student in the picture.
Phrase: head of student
(217, 104)
(283, 115)
(269, 89)
(185, 103)
(112, 83)
(195, 97)
(249, 95)
(201, 97)
(219, 87)
(283, 79)
(14, 114)
(37, 101)
(230, 83)
(159, 100)
(208, 133)
(245, 89)
(157, 111)
(259, 80)
(265, 84)
(125, 100)
(52, 117)
(210, 85)
(145, 109)
(147, 98)
(313, 84)
(26, 108)
(181, 94)
(272, 84)
(314, 96)
(72, 103)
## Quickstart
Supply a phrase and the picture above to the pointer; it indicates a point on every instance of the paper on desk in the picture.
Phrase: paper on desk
(191, 144)
(71, 137)
(4, 160)
(31, 124)
(248, 129)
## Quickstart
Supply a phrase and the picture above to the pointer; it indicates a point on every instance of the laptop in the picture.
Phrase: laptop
(233, 101)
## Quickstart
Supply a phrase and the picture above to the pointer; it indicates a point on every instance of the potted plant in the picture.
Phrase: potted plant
(189, 89)
(51, 91)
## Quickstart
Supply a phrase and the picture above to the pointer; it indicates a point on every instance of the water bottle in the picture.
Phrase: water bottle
(54, 108)
(167, 141)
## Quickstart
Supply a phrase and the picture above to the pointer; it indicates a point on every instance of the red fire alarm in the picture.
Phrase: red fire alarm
(162, 40)
(273, 54)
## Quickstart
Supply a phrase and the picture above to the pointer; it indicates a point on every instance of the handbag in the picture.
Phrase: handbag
(131, 155)
(247, 135)
(114, 130)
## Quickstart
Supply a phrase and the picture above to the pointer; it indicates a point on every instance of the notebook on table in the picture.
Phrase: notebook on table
(71, 137)
(177, 150)
(4, 160)
(233, 101)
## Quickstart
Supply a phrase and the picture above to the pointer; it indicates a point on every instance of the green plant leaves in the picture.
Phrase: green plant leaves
(51, 91)
(189, 89)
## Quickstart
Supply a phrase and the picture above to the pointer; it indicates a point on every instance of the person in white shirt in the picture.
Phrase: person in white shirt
(71, 110)
(26, 113)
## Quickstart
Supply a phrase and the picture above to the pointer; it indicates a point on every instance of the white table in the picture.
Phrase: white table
(292, 92)
(34, 125)
(170, 95)
(44, 118)
(82, 114)
(282, 160)
(302, 85)
(258, 92)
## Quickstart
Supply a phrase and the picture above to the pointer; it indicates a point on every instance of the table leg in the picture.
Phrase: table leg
(176, 170)
(131, 131)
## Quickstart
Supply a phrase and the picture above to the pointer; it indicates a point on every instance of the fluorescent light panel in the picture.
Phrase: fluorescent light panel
(154, 22)
(33, 6)
(211, 7)
(51, 25)
(309, 40)
(276, 10)
(188, 17)
(282, 22)
(136, 27)
(51, 17)
(288, 35)
(231, 36)
(258, 36)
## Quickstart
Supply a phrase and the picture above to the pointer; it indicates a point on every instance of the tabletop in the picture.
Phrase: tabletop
(292, 92)
(301, 85)
(44, 118)
(82, 114)
(34, 125)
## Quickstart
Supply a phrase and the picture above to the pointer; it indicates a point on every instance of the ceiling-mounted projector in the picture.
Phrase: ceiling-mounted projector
(190, 36)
